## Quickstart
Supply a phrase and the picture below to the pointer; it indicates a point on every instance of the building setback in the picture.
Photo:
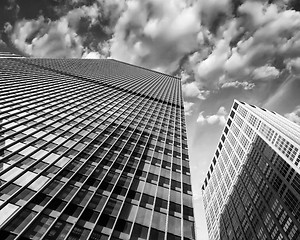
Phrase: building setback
(92, 149)
(252, 188)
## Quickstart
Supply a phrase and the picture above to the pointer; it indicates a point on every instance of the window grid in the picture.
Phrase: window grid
(98, 137)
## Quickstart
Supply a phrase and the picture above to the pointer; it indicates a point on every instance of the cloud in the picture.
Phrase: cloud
(236, 84)
(211, 69)
(213, 12)
(265, 72)
(184, 76)
(273, 35)
(41, 38)
(201, 119)
(260, 44)
(294, 116)
(190, 90)
(293, 65)
(103, 51)
(218, 118)
(111, 10)
(7, 28)
(188, 108)
(216, 44)
(91, 55)
(86, 27)
(156, 34)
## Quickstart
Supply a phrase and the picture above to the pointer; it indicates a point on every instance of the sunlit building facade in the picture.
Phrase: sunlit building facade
(252, 188)
(92, 149)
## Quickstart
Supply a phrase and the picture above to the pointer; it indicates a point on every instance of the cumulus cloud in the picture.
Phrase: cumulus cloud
(190, 90)
(294, 116)
(91, 55)
(265, 72)
(272, 34)
(103, 51)
(7, 28)
(216, 44)
(41, 38)
(201, 119)
(156, 34)
(262, 42)
(211, 69)
(111, 10)
(213, 12)
(236, 84)
(188, 108)
(184, 76)
(218, 118)
(85, 27)
(293, 65)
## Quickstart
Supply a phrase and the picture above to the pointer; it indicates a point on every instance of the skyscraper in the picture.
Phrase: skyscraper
(252, 188)
(92, 149)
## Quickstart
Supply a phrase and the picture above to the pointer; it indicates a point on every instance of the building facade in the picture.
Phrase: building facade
(92, 149)
(252, 188)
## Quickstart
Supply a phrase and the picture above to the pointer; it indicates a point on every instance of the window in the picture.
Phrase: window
(152, 178)
(161, 205)
(173, 224)
(11, 174)
(38, 183)
(79, 233)
(112, 207)
(121, 226)
(82, 197)
(6, 212)
(156, 234)
(25, 178)
(139, 231)
(8, 191)
(147, 201)
(20, 221)
(67, 192)
(25, 195)
(128, 212)
(39, 227)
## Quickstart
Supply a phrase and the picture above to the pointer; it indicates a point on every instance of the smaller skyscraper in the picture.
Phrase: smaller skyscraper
(252, 188)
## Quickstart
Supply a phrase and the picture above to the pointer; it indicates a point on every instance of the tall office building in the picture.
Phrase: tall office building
(252, 188)
(92, 149)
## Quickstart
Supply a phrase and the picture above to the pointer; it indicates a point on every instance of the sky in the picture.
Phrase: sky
(222, 50)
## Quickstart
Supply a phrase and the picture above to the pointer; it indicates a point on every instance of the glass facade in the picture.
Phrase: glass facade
(252, 189)
(92, 149)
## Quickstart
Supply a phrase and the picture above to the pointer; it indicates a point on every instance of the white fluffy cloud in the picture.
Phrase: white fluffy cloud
(293, 65)
(156, 34)
(54, 39)
(218, 118)
(272, 34)
(211, 69)
(188, 108)
(265, 72)
(256, 46)
(211, 44)
(91, 55)
(236, 84)
(59, 39)
(103, 51)
(190, 90)
(294, 116)
(201, 119)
